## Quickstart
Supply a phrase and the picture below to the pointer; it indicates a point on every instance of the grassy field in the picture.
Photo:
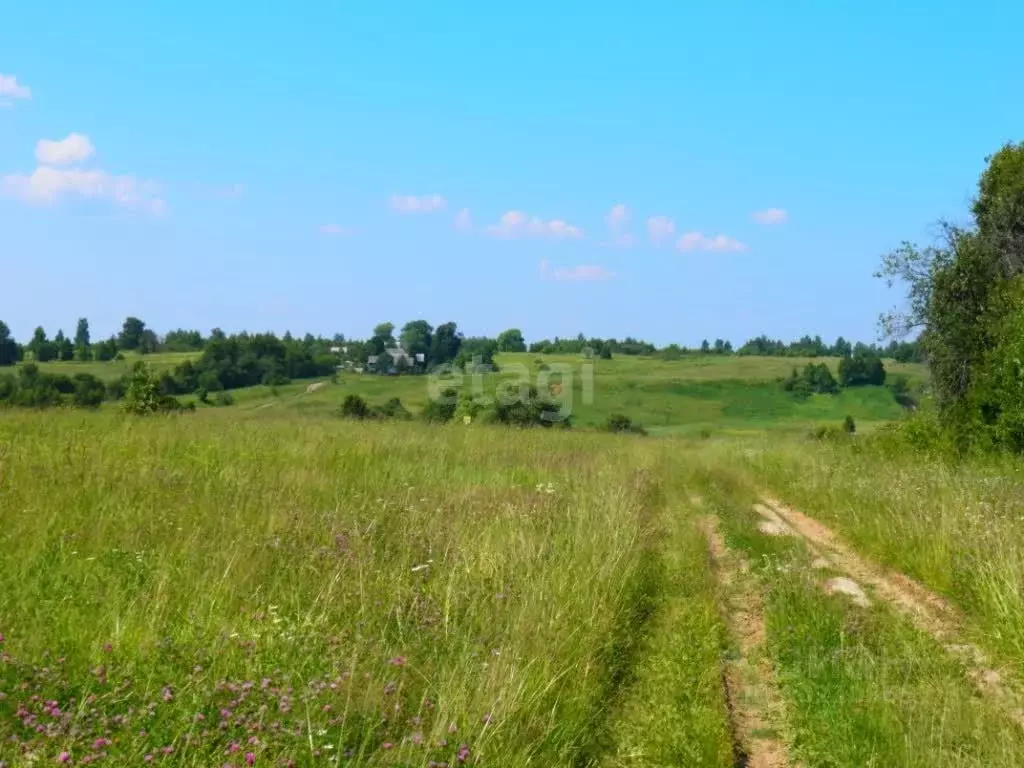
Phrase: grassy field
(242, 586)
(267, 584)
(112, 369)
(201, 587)
(721, 395)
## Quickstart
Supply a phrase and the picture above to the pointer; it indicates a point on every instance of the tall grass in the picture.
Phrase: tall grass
(202, 589)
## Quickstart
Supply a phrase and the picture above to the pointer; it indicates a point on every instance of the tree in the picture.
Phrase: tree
(131, 334)
(705, 347)
(9, 350)
(106, 350)
(511, 341)
(445, 345)
(148, 342)
(416, 337)
(82, 349)
(842, 348)
(861, 369)
(62, 346)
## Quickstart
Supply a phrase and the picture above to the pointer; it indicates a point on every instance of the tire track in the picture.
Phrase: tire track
(756, 711)
(927, 611)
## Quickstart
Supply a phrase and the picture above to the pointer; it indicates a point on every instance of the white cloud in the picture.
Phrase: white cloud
(618, 219)
(47, 185)
(579, 273)
(660, 229)
(697, 241)
(73, 149)
(417, 204)
(518, 224)
(463, 220)
(10, 88)
(770, 216)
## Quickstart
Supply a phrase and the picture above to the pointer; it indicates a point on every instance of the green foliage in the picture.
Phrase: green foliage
(511, 341)
(849, 426)
(815, 378)
(89, 392)
(223, 399)
(10, 353)
(130, 337)
(181, 340)
(142, 395)
(964, 294)
(442, 408)
(861, 369)
(355, 407)
(83, 351)
(618, 422)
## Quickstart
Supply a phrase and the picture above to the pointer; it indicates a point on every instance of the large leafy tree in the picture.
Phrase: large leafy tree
(416, 337)
(511, 341)
(444, 347)
(960, 294)
(131, 336)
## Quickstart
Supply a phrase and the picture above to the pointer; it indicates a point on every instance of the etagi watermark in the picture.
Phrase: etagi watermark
(515, 383)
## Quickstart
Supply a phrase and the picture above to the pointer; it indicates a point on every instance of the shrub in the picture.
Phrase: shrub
(441, 410)
(618, 422)
(89, 391)
(355, 407)
(392, 409)
(224, 398)
(849, 427)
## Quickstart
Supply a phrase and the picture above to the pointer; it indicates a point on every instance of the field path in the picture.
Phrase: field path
(755, 705)
(927, 611)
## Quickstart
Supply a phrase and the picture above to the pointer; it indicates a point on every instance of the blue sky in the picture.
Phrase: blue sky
(304, 166)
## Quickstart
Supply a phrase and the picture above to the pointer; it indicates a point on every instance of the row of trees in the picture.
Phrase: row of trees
(965, 296)
(426, 346)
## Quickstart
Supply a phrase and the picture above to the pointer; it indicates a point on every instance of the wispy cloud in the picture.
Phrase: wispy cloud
(73, 149)
(48, 185)
(518, 224)
(579, 273)
(11, 90)
(417, 204)
(336, 230)
(697, 241)
(463, 221)
(618, 219)
(770, 216)
(660, 229)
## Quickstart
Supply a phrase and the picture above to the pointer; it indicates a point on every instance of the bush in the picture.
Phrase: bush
(441, 410)
(224, 398)
(618, 422)
(816, 378)
(392, 409)
(849, 427)
(89, 391)
(355, 407)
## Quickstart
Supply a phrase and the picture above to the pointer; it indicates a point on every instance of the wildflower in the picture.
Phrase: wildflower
(166, 694)
(398, 661)
(250, 758)
(1, 637)
(64, 757)
(463, 754)
(386, 745)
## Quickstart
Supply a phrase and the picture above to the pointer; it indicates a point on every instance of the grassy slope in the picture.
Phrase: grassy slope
(388, 591)
(731, 394)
